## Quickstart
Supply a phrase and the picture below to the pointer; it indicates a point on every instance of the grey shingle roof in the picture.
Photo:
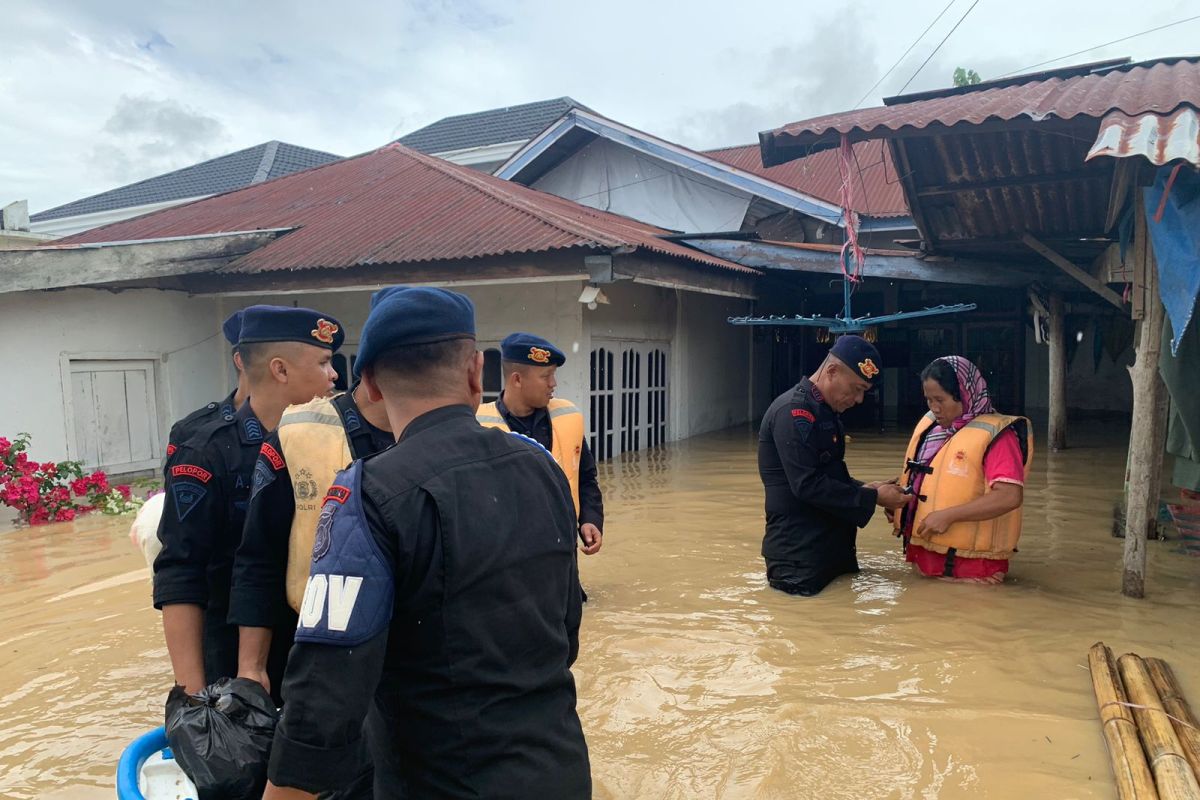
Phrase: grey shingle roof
(225, 173)
(509, 124)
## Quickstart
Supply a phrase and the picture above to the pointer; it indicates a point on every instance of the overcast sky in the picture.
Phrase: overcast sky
(95, 94)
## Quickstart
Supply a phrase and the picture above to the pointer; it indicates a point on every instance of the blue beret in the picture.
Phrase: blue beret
(525, 348)
(287, 324)
(232, 327)
(860, 355)
(412, 315)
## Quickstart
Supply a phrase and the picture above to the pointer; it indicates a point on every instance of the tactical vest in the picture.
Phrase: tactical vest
(566, 441)
(315, 447)
(955, 476)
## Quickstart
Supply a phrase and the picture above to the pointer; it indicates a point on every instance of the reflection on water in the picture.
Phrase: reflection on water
(696, 680)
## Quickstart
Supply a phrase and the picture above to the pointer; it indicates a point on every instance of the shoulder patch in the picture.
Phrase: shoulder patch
(271, 455)
(804, 413)
(348, 598)
(187, 496)
(171, 449)
(191, 471)
(264, 476)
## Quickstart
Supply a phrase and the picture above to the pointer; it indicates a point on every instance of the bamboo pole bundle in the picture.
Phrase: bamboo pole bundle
(1172, 773)
(1185, 724)
(1134, 781)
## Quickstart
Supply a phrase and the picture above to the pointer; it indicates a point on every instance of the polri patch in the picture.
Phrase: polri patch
(264, 476)
(187, 496)
(191, 471)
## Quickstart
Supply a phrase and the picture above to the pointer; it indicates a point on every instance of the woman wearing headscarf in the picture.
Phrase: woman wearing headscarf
(965, 468)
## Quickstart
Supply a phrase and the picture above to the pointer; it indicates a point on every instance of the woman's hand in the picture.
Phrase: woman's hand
(937, 522)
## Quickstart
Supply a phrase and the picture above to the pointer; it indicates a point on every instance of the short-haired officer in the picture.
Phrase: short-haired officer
(183, 429)
(443, 603)
(286, 354)
(527, 405)
(813, 507)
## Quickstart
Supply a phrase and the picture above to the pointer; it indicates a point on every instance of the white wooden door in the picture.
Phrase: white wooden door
(113, 414)
(629, 385)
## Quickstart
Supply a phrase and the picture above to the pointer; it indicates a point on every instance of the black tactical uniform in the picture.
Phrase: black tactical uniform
(208, 482)
(813, 506)
(443, 608)
(537, 426)
(186, 428)
(258, 599)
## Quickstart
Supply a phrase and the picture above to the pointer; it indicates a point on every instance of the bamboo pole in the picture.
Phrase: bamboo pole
(1186, 726)
(1129, 767)
(1172, 773)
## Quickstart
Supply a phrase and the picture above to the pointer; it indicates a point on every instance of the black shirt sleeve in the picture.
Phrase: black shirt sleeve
(810, 484)
(260, 566)
(193, 512)
(591, 502)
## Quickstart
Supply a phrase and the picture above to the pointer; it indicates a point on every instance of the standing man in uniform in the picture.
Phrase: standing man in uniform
(813, 507)
(286, 354)
(527, 405)
(443, 602)
(183, 429)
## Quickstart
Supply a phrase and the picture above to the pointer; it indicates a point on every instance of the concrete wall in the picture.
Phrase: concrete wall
(180, 333)
(1105, 389)
(714, 361)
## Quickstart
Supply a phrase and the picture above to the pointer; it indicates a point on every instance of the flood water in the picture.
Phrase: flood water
(695, 679)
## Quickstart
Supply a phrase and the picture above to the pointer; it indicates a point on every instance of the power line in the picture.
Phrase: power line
(939, 47)
(905, 55)
(1097, 47)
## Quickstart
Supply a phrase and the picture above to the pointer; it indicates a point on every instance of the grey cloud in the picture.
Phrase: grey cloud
(146, 136)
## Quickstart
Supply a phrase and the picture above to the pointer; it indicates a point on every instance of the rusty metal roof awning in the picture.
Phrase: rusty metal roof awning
(1159, 138)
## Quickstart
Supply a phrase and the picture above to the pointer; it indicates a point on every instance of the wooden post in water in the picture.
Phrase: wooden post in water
(1058, 374)
(1134, 781)
(1172, 773)
(1149, 411)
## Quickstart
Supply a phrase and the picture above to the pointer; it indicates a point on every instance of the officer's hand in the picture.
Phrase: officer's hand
(258, 676)
(593, 539)
(877, 484)
(889, 495)
(937, 522)
(890, 513)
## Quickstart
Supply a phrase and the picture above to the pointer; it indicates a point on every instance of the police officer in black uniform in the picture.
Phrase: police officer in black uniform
(443, 603)
(286, 354)
(813, 507)
(183, 429)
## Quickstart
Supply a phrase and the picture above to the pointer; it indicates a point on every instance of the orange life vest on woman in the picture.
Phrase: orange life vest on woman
(956, 476)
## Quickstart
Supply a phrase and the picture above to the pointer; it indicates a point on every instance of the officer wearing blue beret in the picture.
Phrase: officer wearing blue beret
(813, 507)
(183, 429)
(286, 356)
(527, 405)
(442, 605)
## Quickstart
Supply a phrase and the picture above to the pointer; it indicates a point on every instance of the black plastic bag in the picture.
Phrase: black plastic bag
(222, 737)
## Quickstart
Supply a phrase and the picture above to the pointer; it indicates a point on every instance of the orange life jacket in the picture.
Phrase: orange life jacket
(566, 441)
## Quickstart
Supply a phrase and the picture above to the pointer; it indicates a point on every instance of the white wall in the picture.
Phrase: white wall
(181, 333)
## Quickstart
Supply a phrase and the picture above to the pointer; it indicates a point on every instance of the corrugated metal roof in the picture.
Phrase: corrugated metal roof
(878, 192)
(495, 126)
(1159, 138)
(222, 174)
(1152, 87)
(396, 206)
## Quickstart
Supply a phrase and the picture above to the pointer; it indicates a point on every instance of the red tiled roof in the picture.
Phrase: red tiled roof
(877, 191)
(1152, 87)
(396, 206)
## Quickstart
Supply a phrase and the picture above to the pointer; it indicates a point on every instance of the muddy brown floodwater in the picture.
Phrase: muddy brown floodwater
(695, 679)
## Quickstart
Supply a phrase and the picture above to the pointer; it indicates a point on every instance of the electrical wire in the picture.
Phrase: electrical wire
(905, 54)
(939, 46)
(1097, 47)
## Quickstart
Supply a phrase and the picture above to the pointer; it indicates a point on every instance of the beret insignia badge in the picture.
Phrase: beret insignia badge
(324, 331)
(867, 368)
(539, 355)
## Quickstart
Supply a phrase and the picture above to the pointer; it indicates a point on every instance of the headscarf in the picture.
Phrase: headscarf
(973, 392)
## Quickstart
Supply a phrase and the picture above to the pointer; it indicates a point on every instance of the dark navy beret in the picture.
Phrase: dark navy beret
(860, 355)
(525, 348)
(232, 327)
(287, 324)
(412, 315)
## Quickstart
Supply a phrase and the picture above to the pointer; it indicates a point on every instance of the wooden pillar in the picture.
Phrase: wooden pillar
(1148, 431)
(1058, 374)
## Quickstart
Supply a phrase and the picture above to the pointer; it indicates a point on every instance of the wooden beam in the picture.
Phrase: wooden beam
(1075, 272)
(661, 271)
(1147, 430)
(908, 181)
(1058, 374)
(1008, 183)
(109, 263)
